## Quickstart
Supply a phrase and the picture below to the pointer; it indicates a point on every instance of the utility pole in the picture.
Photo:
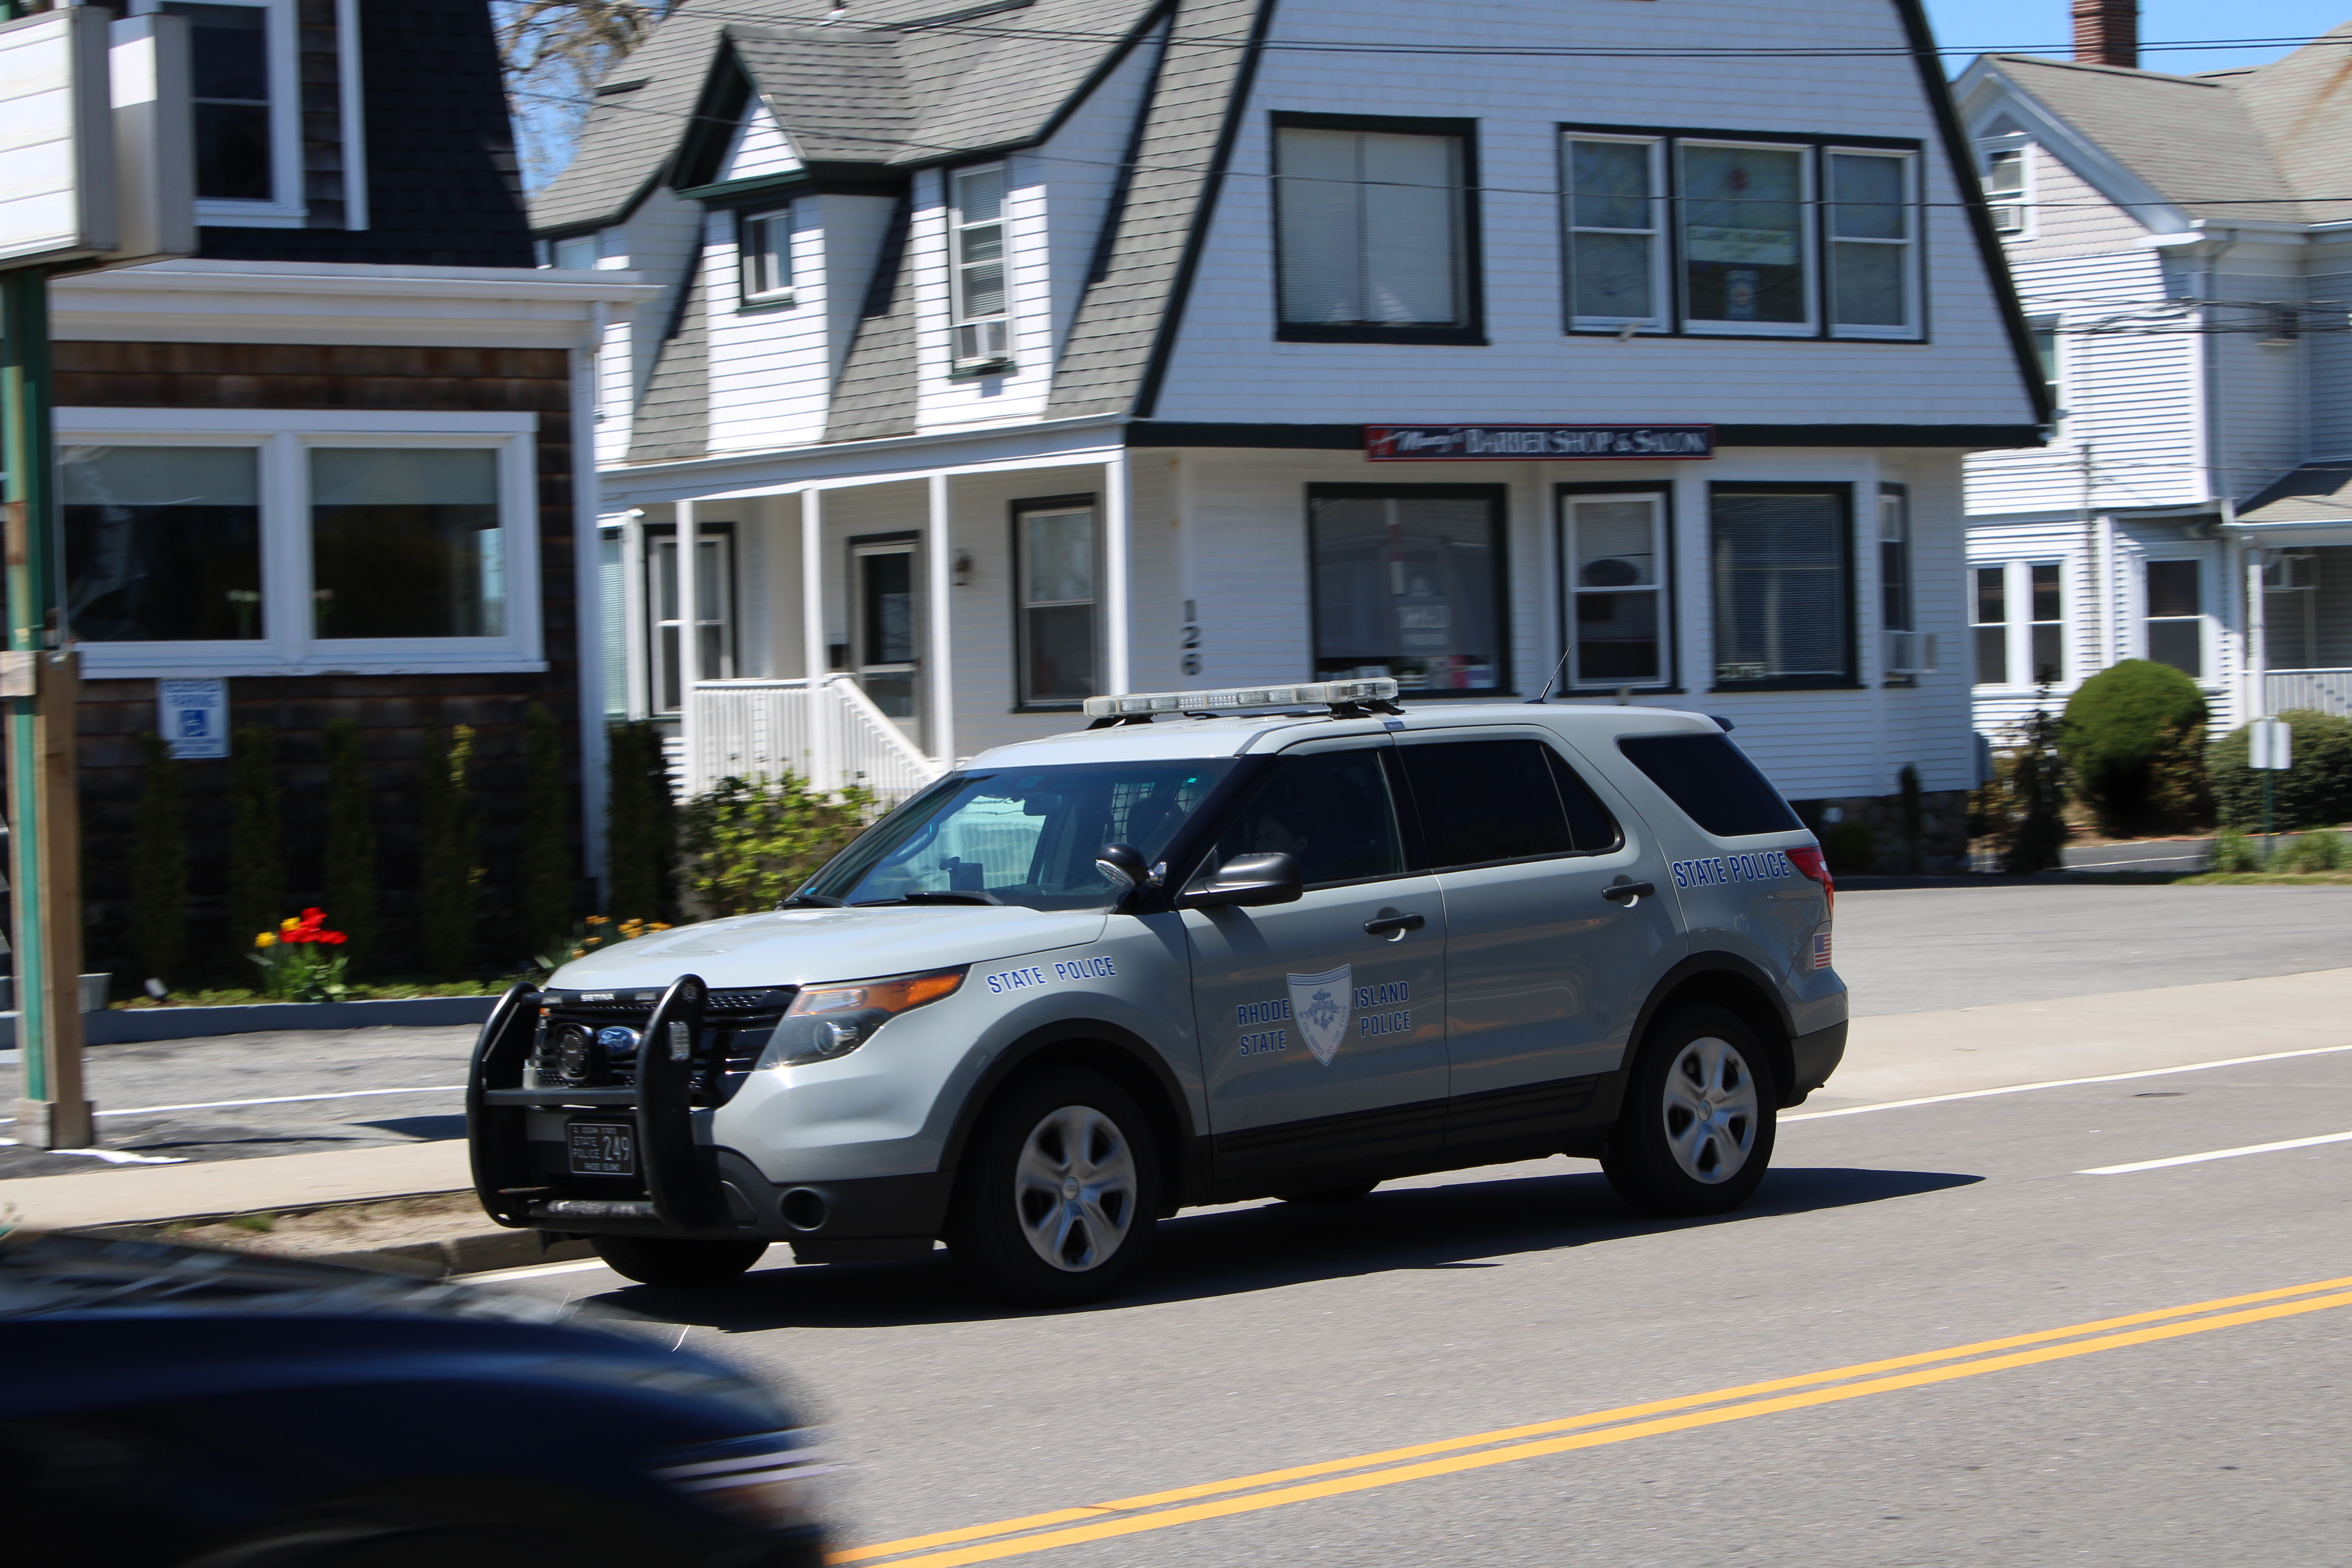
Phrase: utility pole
(39, 685)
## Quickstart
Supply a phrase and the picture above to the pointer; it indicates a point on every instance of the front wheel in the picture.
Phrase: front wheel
(1055, 1203)
(1696, 1133)
(669, 1260)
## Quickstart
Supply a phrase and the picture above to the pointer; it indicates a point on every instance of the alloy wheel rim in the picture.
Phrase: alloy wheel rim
(1710, 1111)
(1074, 1188)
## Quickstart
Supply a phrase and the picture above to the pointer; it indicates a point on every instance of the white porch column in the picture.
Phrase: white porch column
(632, 612)
(813, 654)
(937, 665)
(1115, 586)
(2258, 650)
(689, 640)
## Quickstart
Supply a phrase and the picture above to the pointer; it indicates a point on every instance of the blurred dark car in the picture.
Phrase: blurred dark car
(164, 1407)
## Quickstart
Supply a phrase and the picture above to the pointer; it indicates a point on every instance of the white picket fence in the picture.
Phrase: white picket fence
(761, 729)
(2329, 690)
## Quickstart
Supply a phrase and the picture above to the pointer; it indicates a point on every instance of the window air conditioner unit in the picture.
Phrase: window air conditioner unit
(2292, 571)
(982, 342)
(1910, 653)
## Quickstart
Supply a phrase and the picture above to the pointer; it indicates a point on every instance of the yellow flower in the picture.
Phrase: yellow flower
(266, 939)
(288, 923)
(600, 919)
(657, 925)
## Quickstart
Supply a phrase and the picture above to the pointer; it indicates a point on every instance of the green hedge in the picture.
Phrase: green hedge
(2122, 727)
(2316, 792)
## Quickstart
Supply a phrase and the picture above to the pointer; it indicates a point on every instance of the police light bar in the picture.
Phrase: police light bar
(1143, 704)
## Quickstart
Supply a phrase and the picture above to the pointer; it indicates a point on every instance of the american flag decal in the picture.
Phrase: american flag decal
(1822, 949)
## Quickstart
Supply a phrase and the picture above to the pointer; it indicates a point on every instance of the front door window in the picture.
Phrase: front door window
(886, 627)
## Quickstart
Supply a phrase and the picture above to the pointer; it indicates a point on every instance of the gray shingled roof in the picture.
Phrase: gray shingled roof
(940, 86)
(2303, 106)
(2317, 492)
(673, 418)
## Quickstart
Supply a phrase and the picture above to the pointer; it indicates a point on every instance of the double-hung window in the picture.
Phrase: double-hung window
(2176, 615)
(1874, 217)
(261, 542)
(712, 622)
(1988, 622)
(978, 278)
(1054, 551)
(2007, 171)
(763, 248)
(1747, 243)
(244, 78)
(1905, 655)
(2049, 351)
(1616, 214)
(1783, 585)
(1614, 545)
(1375, 234)
(2046, 632)
(1406, 581)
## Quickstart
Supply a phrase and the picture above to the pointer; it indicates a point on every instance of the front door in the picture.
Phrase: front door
(1324, 1043)
(884, 644)
(1546, 964)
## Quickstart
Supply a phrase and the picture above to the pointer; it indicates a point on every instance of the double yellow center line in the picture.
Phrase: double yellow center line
(1452, 1455)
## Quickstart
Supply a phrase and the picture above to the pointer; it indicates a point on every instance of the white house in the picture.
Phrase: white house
(1047, 348)
(2183, 244)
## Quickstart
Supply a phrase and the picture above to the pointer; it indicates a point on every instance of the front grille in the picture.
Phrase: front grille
(567, 1053)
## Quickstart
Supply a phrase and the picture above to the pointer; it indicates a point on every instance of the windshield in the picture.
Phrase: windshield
(1024, 837)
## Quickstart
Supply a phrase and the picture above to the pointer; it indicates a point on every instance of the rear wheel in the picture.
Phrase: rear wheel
(1055, 1203)
(1696, 1133)
(667, 1260)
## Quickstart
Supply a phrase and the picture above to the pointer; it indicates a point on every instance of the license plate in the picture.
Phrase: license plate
(603, 1148)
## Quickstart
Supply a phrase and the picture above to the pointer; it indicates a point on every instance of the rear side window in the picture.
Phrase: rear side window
(1714, 783)
(1482, 800)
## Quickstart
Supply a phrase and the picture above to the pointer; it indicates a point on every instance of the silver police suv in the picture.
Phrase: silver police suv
(1280, 942)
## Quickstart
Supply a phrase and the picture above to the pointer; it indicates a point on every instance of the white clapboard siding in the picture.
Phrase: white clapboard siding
(2068, 217)
(2264, 386)
(947, 402)
(2330, 297)
(769, 363)
(659, 243)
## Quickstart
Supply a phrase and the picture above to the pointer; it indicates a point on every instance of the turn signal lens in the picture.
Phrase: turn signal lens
(1816, 867)
(893, 995)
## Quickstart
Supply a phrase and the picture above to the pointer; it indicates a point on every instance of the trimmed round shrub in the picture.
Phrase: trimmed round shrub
(2316, 792)
(2117, 725)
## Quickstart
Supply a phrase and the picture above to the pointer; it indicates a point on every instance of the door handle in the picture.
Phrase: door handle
(1394, 925)
(1626, 893)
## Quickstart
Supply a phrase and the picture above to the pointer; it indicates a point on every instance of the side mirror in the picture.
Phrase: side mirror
(1122, 867)
(1246, 881)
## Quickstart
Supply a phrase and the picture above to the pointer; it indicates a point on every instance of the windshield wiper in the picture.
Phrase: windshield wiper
(814, 902)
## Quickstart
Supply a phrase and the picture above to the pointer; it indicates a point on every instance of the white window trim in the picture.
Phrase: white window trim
(283, 437)
(2021, 624)
(286, 208)
(952, 210)
(1914, 271)
(2008, 624)
(2203, 617)
(659, 541)
(1662, 246)
(2015, 141)
(1809, 171)
(1024, 699)
(745, 294)
(2062, 428)
(1663, 588)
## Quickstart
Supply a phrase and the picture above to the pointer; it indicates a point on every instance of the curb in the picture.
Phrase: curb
(443, 1257)
(141, 1026)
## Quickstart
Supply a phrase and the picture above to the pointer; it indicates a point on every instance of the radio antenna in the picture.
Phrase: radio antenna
(1558, 670)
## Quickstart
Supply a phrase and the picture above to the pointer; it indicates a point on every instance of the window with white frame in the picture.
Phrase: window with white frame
(1988, 622)
(1614, 188)
(712, 622)
(1053, 547)
(579, 251)
(244, 81)
(1783, 585)
(2046, 632)
(255, 542)
(1373, 235)
(1747, 243)
(2176, 615)
(1904, 655)
(764, 251)
(1873, 215)
(2050, 353)
(978, 277)
(2007, 171)
(1614, 545)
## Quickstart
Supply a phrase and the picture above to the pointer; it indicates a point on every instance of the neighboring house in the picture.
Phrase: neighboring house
(1026, 352)
(2183, 244)
(332, 458)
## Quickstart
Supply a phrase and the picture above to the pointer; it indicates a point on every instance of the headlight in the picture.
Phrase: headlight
(767, 1480)
(828, 1021)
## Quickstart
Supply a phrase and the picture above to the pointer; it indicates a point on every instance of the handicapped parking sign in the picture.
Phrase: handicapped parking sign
(193, 717)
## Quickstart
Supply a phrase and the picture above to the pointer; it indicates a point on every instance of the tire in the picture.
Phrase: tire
(1696, 1133)
(1353, 1193)
(666, 1260)
(1058, 1194)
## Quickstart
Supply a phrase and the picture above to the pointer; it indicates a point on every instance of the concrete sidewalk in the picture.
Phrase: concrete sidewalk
(1902, 1056)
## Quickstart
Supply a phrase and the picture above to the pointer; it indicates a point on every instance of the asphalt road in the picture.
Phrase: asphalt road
(1900, 950)
(1268, 1337)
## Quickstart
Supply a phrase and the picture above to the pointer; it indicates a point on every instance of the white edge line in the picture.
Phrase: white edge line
(535, 1270)
(2059, 1083)
(280, 1100)
(2215, 1154)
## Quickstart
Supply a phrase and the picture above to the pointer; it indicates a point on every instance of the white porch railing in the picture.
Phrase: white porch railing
(761, 729)
(2329, 690)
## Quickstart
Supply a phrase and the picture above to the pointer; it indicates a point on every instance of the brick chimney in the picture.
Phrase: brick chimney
(2107, 32)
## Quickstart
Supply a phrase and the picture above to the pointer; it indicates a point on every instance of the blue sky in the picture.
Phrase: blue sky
(2043, 26)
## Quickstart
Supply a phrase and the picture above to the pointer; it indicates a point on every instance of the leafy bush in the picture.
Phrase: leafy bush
(448, 877)
(2315, 852)
(2236, 852)
(159, 866)
(640, 825)
(2316, 792)
(748, 844)
(545, 900)
(1851, 846)
(348, 876)
(256, 858)
(2022, 808)
(2119, 725)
